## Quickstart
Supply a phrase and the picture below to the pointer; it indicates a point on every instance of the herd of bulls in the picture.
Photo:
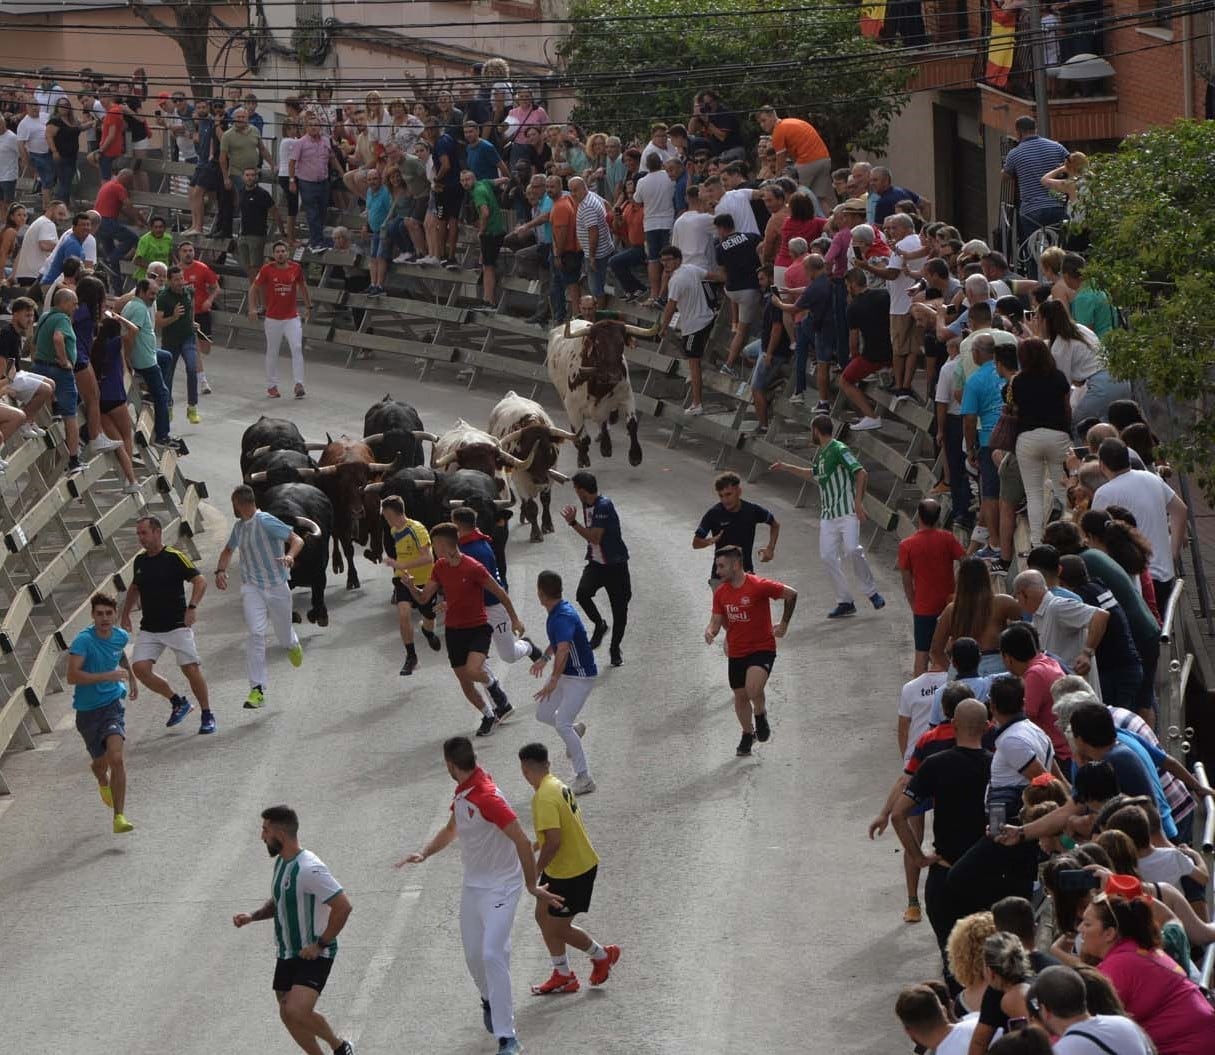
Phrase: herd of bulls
(335, 498)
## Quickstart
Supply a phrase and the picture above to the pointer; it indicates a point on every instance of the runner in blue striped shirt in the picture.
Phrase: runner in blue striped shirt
(264, 592)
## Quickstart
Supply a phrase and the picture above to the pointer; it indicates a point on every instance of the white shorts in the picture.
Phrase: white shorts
(750, 302)
(142, 144)
(151, 644)
(24, 386)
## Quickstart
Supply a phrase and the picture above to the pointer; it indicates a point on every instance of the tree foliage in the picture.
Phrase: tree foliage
(812, 64)
(1150, 211)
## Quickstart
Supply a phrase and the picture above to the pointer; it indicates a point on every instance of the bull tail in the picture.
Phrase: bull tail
(338, 565)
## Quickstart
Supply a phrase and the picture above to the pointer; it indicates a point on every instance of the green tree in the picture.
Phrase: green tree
(1150, 211)
(814, 64)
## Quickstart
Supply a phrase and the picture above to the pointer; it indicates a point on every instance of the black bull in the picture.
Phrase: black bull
(309, 513)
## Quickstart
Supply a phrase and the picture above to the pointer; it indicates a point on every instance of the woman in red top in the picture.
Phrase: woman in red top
(742, 603)
(628, 225)
(799, 223)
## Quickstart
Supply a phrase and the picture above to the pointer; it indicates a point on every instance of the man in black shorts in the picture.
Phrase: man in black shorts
(408, 554)
(443, 223)
(686, 295)
(732, 522)
(309, 910)
(742, 604)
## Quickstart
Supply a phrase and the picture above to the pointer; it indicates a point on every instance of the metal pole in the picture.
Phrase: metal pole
(1038, 50)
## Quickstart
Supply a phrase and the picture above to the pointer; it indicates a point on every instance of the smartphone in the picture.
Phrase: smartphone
(1018, 1023)
(1081, 452)
(997, 817)
(1077, 879)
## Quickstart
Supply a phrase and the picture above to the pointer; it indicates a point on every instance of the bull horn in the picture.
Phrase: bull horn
(373, 489)
(639, 331)
(561, 434)
(259, 451)
(306, 474)
(531, 456)
(420, 434)
(454, 503)
(558, 478)
(421, 485)
(443, 463)
(315, 446)
(504, 503)
(258, 477)
(328, 438)
(510, 437)
(512, 461)
(327, 470)
(381, 467)
(311, 526)
(373, 439)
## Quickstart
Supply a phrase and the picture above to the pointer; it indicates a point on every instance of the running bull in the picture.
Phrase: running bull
(271, 434)
(397, 431)
(465, 446)
(523, 428)
(587, 366)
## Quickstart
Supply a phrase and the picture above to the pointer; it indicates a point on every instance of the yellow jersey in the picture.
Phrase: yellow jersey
(408, 542)
(555, 807)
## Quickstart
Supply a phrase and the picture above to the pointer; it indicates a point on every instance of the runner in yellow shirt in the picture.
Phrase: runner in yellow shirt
(567, 865)
(409, 543)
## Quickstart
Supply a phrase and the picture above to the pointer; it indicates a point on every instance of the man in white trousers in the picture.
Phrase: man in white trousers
(564, 695)
(264, 592)
(841, 482)
(281, 283)
(498, 863)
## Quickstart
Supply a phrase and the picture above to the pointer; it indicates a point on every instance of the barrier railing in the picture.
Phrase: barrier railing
(1207, 848)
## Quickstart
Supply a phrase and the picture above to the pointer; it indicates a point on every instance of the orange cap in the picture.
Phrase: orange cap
(1125, 886)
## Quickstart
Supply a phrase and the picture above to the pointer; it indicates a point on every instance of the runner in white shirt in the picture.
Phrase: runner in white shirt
(915, 708)
(686, 294)
(737, 203)
(694, 232)
(498, 863)
(40, 240)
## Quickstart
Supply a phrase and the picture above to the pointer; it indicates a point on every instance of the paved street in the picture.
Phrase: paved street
(753, 914)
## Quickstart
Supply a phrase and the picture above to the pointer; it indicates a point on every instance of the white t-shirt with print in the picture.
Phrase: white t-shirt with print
(915, 702)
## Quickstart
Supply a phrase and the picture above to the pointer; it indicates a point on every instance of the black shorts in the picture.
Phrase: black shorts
(576, 892)
(694, 344)
(311, 974)
(448, 202)
(418, 207)
(292, 196)
(203, 318)
(461, 640)
(741, 664)
(111, 404)
(401, 595)
(491, 245)
(208, 177)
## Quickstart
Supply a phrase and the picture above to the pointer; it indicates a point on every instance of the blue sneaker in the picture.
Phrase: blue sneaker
(841, 610)
(987, 553)
(208, 723)
(509, 1046)
(181, 707)
(487, 1016)
(878, 601)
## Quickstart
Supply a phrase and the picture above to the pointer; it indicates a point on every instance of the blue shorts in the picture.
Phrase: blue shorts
(921, 808)
(97, 725)
(8, 189)
(376, 245)
(44, 165)
(925, 627)
(989, 476)
(655, 243)
(765, 373)
(66, 396)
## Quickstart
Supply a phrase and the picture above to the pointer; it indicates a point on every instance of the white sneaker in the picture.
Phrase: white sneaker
(582, 784)
(204, 386)
(99, 444)
(867, 423)
(3, 465)
(797, 399)
(428, 260)
(695, 410)
(132, 489)
(30, 431)
(404, 258)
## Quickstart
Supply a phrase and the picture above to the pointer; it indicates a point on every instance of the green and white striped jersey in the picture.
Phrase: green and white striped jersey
(835, 467)
(302, 889)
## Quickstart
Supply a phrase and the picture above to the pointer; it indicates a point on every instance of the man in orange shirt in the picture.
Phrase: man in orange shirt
(798, 143)
(567, 257)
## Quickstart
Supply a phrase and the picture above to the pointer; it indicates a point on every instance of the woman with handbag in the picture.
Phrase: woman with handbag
(1040, 393)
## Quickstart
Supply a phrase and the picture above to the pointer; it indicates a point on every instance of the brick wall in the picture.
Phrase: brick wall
(1149, 82)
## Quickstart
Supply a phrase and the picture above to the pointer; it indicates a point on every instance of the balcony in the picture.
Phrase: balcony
(942, 33)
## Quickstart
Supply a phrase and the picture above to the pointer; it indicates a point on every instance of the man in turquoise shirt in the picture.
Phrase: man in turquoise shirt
(145, 359)
(982, 403)
(55, 357)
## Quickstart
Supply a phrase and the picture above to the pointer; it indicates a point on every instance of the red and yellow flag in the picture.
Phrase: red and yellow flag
(873, 17)
(1001, 45)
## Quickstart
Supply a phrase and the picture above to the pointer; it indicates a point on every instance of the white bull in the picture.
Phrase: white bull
(465, 446)
(591, 375)
(523, 428)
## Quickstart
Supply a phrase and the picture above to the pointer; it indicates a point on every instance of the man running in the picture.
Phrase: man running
(264, 592)
(101, 673)
(478, 545)
(732, 522)
(841, 482)
(567, 865)
(464, 582)
(158, 588)
(607, 562)
(309, 910)
(498, 863)
(411, 558)
(741, 603)
(564, 695)
(281, 281)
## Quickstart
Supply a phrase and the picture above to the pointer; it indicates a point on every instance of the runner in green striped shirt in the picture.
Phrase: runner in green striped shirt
(841, 482)
(309, 910)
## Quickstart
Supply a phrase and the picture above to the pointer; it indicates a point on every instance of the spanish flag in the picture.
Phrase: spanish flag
(1001, 46)
(873, 17)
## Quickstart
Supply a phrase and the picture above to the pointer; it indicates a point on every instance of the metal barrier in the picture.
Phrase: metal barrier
(1207, 848)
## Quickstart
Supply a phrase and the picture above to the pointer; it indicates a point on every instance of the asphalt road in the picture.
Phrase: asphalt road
(753, 914)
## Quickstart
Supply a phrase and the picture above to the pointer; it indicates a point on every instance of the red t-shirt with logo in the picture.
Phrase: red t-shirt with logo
(747, 611)
(198, 276)
(463, 586)
(929, 556)
(278, 286)
(116, 119)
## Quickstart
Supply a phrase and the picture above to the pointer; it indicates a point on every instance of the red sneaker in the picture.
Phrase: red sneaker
(560, 983)
(600, 969)
(273, 392)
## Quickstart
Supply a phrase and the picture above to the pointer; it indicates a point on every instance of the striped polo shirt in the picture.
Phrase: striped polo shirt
(835, 467)
(302, 889)
(260, 541)
(1029, 161)
(592, 213)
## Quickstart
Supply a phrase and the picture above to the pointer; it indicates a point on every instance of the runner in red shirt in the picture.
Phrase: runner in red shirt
(281, 282)
(742, 604)
(926, 559)
(205, 285)
(464, 583)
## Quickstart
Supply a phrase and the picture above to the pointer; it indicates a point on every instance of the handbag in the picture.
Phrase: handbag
(1004, 435)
